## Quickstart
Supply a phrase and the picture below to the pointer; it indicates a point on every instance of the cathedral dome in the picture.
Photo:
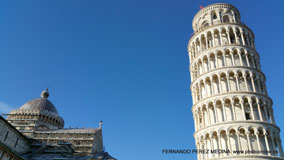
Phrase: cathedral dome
(40, 104)
(40, 113)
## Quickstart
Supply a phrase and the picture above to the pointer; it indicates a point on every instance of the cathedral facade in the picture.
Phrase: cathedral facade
(36, 131)
(232, 111)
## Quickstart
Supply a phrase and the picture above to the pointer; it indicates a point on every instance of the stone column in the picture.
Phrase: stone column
(243, 110)
(213, 39)
(259, 86)
(198, 147)
(212, 145)
(248, 139)
(239, 141)
(198, 48)
(229, 143)
(220, 144)
(202, 67)
(208, 113)
(246, 83)
(224, 58)
(206, 147)
(259, 110)
(247, 59)
(212, 86)
(234, 17)
(218, 90)
(201, 45)
(241, 58)
(258, 64)
(273, 144)
(228, 35)
(248, 41)
(251, 108)
(257, 139)
(203, 147)
(265, 112)
(203, 118)
(195, 122)
(221, 87)
(224, 112)
(264, 87)
(221, 39)
(253, 42)
(228, 83)
(280, 147)
(243, 40)
(208, 64)
(236, 37)
(206, 41)
(272, 116)
(200, 91)
(206, 89)
(233, 58)
(266, 142)
(215, 112)
(237, 82)
(192, 52)
(252, 60)
(234, 111)
(198, 122)
(216, 59)
(252, 82)
(195, 48)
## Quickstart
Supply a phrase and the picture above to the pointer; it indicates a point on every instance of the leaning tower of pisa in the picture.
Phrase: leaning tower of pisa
(232, 111)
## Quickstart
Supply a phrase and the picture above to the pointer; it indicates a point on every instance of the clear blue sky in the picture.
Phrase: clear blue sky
(124, 62)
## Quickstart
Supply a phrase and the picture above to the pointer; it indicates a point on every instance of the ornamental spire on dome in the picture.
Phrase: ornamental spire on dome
(45, 93)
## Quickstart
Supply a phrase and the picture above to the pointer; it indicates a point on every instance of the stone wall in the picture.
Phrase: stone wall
(12, 137)
(12, 142)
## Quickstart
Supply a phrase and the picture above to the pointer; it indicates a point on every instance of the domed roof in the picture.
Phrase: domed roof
(39, 104)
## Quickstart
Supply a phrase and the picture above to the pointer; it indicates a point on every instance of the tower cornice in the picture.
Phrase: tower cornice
(213, 7)
(195, 34)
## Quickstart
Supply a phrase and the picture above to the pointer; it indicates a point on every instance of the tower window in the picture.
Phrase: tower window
(16, 142)
(205, 24)
(248, 116)
(6, 136)
(226, 18)
(214, 16)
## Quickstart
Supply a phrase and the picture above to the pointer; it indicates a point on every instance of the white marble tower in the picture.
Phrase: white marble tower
(231, 108)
